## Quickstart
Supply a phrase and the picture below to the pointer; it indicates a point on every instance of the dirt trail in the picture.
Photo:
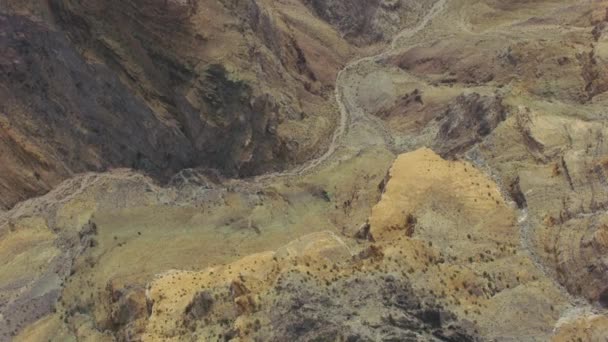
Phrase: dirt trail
(349, 111)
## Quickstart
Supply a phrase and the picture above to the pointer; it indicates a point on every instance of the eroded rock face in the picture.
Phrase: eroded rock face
(586, 327)
(201, 305)
(353, 18)
(365, 22)
(466, 121)
(312, 312)
(128, 311)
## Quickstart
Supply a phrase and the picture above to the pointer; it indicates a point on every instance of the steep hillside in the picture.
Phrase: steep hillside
(244, 87)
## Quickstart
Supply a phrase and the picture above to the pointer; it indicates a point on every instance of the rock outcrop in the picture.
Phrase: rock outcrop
(311, 289)
(365, 22)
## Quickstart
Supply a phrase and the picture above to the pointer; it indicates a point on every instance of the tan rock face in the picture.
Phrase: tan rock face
(463, 197)
(364, 22)
(463, 245)
(587, 327)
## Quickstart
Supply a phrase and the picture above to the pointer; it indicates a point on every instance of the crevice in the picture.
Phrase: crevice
(567, 173)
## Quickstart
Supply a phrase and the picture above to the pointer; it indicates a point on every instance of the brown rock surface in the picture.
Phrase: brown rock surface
(583, 328)
(490, 224)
